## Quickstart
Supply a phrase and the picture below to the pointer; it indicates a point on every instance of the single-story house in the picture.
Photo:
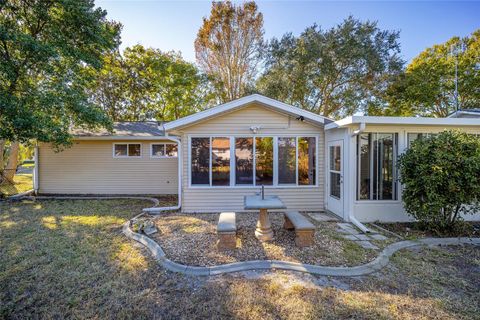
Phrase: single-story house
(213, 158)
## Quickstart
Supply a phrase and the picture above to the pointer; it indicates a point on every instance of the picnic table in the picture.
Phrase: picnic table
(264, 231)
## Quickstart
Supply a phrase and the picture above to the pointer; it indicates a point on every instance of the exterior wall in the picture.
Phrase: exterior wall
(382, 210)
(88, 167)
(238, 123)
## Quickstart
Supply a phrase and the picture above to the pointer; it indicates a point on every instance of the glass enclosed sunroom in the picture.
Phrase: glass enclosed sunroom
(361, 156)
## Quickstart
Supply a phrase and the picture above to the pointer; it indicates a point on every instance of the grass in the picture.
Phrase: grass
(21, 183)
(28, 165)
(413, 230)
(69, 259)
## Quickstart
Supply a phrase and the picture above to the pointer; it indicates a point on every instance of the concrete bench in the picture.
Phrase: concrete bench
(304, 229)
(227, 231)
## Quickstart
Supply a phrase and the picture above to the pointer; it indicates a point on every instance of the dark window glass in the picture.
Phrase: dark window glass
(364, 166)
(171, 150)
(120, 150)
(134, 150)
(220, 161)
(306, 161)
(335, 184)
(158, 150)
(264, 161)
(287, 161)
(384, 166)
(244, 161)
(335, 168)
(200, 154)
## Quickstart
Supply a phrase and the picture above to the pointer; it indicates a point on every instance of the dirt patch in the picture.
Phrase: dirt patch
(191, 239)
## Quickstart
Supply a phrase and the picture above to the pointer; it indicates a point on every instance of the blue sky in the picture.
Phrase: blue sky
(173, 25)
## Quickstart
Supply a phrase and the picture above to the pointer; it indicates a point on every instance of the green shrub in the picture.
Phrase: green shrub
(441, 179)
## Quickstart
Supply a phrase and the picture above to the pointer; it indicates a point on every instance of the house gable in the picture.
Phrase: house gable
(249, 119)
(243, 102)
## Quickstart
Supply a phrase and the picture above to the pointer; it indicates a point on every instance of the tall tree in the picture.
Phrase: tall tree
(427, 87)
(44, 45)
(11, 167)
(333, 72)
(146, 83)
(229, 47)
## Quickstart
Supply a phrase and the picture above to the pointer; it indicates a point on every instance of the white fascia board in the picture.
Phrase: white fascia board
(240, 102)
(404, 121)
(123, 138)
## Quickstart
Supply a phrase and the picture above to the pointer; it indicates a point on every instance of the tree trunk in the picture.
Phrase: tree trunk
(2, 148)
(11, 167)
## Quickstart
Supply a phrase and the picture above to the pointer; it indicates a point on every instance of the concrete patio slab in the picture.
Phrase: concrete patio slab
(367, 245)
(362, 237)
(321, 217)
(377, 236)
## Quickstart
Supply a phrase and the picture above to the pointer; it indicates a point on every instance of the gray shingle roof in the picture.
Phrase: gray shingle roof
(125, 129)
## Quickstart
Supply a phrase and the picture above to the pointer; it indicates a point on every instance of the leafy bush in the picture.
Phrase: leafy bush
(441, 178)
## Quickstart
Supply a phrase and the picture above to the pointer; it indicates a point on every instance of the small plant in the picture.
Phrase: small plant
(142, 225)
(441, 178)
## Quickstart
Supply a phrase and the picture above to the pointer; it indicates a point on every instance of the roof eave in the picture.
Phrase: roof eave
(403, 121)
(120, 138)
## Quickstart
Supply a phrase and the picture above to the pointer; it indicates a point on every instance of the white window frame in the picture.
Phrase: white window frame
(164, 148)
(232, 160)
(127, 156)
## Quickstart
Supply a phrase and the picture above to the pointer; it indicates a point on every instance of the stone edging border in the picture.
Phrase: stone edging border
(380, 262)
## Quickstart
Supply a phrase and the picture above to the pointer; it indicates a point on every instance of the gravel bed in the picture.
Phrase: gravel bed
(191, 239)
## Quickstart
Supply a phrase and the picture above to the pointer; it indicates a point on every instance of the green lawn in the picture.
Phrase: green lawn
(69, 259)
(22, 183)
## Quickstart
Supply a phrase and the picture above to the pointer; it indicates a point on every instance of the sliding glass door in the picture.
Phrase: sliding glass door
(376, 156)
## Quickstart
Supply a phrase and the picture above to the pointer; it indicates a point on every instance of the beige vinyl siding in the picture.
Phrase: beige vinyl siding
(88, 167)
(237, 123)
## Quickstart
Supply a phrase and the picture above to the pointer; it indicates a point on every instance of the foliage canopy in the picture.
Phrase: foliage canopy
(145, 83)
(44, 46)
(427, 87)
(333, 72)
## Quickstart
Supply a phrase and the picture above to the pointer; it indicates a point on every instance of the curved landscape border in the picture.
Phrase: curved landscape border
(381, 261)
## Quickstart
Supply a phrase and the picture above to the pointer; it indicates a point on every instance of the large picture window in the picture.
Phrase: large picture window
(376, 156)
(287, 161)
(200, 161)
(220, 161)
(264, 161)
(306, 161)
(253, 161)
(244, 161)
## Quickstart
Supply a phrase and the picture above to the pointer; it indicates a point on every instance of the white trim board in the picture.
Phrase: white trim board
(403, 121)
(230, 106)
